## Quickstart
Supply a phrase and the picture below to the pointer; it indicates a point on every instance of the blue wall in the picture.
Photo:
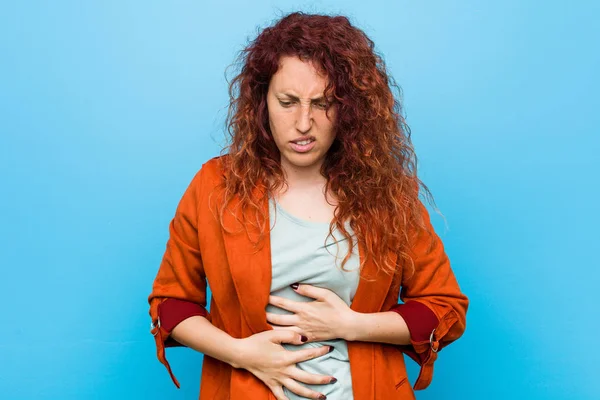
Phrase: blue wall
(107, 109)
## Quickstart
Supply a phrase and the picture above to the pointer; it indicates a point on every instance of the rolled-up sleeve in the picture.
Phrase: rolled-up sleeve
(173, 311)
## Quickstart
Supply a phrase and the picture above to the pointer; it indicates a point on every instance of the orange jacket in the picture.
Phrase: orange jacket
(198, 250)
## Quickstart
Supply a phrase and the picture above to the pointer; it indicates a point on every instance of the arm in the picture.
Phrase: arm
(213, 342)
(382, 327)
(330, 317)
(184, 320)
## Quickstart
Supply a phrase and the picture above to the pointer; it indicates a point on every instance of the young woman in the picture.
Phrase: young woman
(307, 231)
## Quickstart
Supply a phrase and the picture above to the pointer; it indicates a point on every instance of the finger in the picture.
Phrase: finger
(298, 356)
(286, 304)
(287, 336)
(302, 391)
(311, 379)
(312, 291)
(287, 328)
(281, 319)
(278, 392)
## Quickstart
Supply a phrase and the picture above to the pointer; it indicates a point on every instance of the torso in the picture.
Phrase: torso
(302, 252)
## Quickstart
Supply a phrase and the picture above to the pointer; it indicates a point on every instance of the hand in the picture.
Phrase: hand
(327, 317)
(263, 355)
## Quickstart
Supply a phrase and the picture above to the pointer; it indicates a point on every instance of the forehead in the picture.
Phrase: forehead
(301, 77)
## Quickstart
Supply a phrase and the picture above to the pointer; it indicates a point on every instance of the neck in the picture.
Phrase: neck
(303, 176)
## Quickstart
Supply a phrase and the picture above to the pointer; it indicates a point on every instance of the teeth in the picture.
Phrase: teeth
(304, 142)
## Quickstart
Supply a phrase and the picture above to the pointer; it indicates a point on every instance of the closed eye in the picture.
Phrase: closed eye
(285, 103)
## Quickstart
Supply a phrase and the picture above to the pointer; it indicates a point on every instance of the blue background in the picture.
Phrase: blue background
(107, 109)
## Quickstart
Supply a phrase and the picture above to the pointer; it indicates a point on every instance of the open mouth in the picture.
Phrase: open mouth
(303, 146)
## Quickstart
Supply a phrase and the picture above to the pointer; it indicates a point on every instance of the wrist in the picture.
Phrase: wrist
(235, 356)
(353, 325)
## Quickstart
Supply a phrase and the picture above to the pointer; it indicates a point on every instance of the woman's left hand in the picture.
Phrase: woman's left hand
(327, 317)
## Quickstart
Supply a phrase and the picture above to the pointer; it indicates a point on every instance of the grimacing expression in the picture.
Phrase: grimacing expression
(302, 129)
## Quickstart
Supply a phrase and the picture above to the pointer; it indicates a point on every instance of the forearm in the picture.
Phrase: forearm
(382, 327)
(199, 334)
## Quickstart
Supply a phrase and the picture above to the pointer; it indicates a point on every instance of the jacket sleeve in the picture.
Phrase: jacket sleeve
(434, 308)
(179, 289)
(172, 311)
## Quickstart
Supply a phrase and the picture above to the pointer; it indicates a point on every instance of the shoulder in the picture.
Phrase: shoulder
(211, 173)
(215, 165)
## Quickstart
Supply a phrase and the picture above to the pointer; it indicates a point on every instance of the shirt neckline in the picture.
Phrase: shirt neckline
(297, 220)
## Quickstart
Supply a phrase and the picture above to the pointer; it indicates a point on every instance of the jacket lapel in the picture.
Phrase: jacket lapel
(250, 267)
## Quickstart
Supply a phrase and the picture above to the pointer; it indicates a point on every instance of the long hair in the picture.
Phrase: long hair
(371, 166)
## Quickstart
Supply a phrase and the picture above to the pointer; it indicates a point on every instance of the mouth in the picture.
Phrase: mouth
(303, 145)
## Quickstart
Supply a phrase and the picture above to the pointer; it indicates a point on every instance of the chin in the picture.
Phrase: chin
(303, 161)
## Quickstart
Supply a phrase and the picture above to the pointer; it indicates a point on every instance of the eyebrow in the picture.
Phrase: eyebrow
(292, 97)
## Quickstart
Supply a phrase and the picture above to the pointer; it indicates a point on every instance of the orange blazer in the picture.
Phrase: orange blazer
(199, 251)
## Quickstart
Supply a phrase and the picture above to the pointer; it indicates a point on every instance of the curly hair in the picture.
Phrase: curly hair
(371, 166)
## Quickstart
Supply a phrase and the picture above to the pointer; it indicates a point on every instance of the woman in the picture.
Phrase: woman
(308, 230)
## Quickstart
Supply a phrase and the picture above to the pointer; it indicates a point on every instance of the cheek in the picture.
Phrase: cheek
(280, 122)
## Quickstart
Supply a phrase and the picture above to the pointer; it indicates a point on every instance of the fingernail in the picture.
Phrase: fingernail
(294, 286)
(322, 397)
(333, 380)
(303, 338)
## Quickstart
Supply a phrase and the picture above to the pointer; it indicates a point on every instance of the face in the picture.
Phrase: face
(301, 128)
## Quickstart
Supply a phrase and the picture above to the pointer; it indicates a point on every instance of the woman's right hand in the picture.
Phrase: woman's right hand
(263, 355)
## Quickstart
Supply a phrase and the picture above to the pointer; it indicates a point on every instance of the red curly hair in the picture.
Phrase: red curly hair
(371, 165)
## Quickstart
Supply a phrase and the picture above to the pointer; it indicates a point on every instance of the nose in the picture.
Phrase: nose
(304, 118)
